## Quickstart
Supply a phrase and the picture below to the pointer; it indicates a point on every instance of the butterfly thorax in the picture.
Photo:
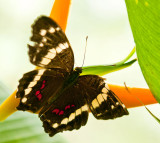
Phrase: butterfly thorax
(72, 78)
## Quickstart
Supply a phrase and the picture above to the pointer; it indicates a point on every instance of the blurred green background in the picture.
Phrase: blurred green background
(110, 39)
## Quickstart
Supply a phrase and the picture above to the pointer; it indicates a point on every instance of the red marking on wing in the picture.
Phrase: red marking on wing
(39, 96)
(61, 112)
(43, 85)
(37, 92)
(56, 111)
(67, 107)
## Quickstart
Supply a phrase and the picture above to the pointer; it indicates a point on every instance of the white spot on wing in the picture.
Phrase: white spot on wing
(99, 114)
(28, 90)
(123, 106)
(41, 45)
(66, 45)
(37, 78)
(62, 46)
(104, 96)
(64, 121)
(51, 30)
(24, 99)
(40, 72)
(53, 50)
(57, 28)
(32, 84)
(104, 90)
(78, 111)
(84, 108)
(106, 85)
(71, 117)
(59, 49)
(112, 106)
(50, 55)
(117, 103)
(45, 61)
(100, 98)
(34, 58)
(44, 39)
(55, 125)
(42, 32)
(95, 103)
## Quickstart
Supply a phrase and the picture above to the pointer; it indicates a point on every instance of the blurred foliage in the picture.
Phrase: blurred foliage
(23, 127)
(144, 19)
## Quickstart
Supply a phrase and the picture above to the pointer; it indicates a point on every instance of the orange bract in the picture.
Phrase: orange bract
(129, 96)
(60, 12)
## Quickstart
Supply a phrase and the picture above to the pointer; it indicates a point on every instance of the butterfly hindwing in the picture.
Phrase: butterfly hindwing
(37, 86)
(103, 103)
(68, 112)
(51, 47)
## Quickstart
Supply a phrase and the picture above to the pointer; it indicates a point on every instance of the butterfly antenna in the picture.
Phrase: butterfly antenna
(85, 51)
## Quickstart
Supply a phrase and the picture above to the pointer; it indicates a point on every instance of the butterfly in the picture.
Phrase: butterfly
(60, 95)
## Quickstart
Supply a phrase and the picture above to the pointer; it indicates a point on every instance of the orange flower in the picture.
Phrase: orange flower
(59, 13)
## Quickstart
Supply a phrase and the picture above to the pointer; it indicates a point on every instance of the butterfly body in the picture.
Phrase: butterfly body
(57, 91)
(72, 78)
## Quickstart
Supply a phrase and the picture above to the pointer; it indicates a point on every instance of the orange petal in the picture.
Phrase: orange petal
(60, 12)
(129, 96)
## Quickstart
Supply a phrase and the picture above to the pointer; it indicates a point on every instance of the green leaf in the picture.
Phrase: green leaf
(23, 127)
(144, 17)
(105, 69)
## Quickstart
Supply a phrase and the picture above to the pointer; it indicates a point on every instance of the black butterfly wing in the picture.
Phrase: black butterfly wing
(37, 86)
(103, 103)
(51, 47)
(68, 112)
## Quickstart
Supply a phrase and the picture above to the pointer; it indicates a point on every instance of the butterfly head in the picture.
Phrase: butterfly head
(78, 69)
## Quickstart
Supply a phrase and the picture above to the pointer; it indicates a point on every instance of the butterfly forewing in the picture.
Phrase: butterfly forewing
(51, 47)
(68, 112)
(103, 103)
(37, 86)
